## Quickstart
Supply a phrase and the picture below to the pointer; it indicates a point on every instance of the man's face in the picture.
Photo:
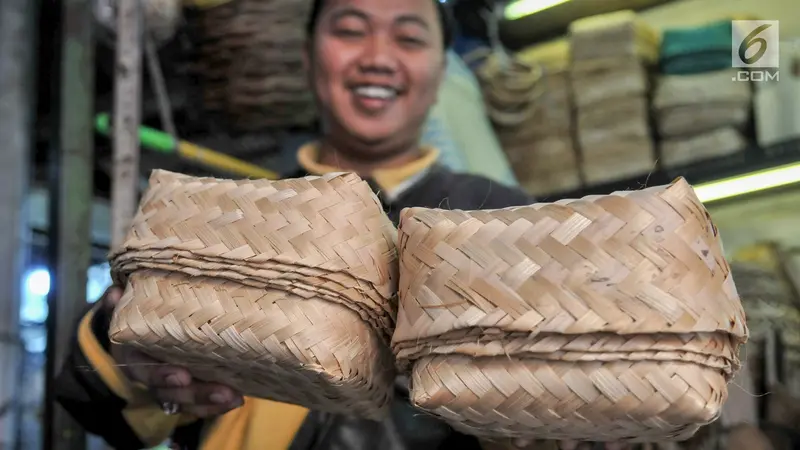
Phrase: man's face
(376, 66)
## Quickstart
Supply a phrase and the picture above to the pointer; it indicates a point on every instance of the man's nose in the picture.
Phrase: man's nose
(379, 55)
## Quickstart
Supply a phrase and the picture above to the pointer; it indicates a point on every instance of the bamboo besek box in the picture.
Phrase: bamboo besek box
(606, 318)
(280, 289)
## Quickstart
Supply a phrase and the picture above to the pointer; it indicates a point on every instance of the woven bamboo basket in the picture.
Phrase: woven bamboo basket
(281, 289)
(606, 318)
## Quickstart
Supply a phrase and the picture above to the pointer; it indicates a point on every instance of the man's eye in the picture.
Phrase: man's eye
(412, 41)
(348, 33)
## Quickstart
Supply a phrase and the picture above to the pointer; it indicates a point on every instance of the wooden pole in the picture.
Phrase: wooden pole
(18, 33)
(127, 117)
(71, 202)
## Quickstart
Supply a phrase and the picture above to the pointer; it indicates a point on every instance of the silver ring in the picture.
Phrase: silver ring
(170, 408)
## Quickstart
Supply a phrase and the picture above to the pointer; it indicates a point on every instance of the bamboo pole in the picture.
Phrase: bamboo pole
(127, 117)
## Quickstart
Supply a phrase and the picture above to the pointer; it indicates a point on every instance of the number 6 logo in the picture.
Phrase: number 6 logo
(751, 40)
(755, 44)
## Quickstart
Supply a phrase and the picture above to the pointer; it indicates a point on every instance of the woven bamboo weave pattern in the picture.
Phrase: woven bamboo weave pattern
(284, 289)
(710, 350)
(634, 262)
(634, 401)
(332, 225)
(606, 318)
(264, 342)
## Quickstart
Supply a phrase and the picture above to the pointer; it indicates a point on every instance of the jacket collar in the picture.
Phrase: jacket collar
(392, 182)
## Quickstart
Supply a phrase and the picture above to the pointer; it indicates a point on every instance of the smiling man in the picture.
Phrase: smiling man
(375, 67)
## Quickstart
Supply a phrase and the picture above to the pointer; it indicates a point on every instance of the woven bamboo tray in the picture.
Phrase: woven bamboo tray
(281, 289)
(606, 318)
(595, 82)
(616, 34)
(718, 143)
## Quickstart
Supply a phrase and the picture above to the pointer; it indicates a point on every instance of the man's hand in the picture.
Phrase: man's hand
(168, 383)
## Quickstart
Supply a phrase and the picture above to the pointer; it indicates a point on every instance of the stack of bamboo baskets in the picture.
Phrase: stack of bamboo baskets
(607, 318)
(538, 140)
(610, 87)
(279, 289)
(700, 116)
(251, 63)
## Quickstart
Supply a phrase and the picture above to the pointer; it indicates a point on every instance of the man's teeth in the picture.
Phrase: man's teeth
(378, 92)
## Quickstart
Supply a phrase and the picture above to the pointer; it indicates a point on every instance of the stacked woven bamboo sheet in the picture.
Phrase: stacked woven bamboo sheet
(609, 76)
(280, 289)
(701, 116)
(606, 318)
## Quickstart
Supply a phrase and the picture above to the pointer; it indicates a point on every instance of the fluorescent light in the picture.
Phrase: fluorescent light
(522, 8)
(749, 183)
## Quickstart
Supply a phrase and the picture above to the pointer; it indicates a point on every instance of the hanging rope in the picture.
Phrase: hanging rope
(511, 87)
(493, 16)
(160, 86)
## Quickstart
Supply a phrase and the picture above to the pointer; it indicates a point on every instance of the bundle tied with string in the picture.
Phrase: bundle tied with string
(280, 289)
(606, 318)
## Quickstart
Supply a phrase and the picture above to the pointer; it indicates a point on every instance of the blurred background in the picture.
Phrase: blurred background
(564, 98)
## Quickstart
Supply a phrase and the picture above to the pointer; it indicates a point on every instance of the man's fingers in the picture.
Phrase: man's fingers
(173, 384)
(198, 394)
(201, 399)
(168, 376)
(111, 297)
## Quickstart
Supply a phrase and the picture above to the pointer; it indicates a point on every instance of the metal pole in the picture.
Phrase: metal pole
(127, 117)
(18, 32)
(72, 207)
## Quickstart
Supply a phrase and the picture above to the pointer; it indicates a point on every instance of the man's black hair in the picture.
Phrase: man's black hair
(445, 21)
